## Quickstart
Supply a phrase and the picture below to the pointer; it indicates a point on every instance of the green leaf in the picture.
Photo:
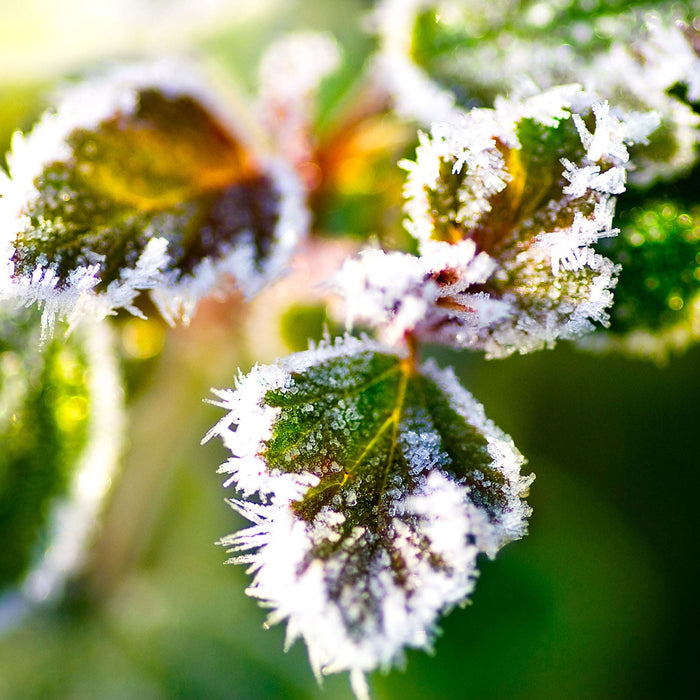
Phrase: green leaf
(61, 432)
(381, 482)
(347, 436)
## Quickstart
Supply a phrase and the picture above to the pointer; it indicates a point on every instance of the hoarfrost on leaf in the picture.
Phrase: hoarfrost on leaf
(140, 181)
(531, 185)
(438, 57)
(390, 291)
(401, 295)
(378, 485)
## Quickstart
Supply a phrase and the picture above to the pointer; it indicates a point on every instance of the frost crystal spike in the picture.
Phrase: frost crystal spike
(506, 205)
(138, 181)
(376, 485)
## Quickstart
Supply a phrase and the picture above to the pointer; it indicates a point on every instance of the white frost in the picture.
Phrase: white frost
(397, 293)
(511, 523)
(387, 290)
(542, 285)
(350, 607)
(84, 106)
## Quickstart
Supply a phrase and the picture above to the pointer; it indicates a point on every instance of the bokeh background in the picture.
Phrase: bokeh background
(599, 601)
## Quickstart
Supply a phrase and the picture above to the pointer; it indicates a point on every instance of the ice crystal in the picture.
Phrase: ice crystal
(137, 181)
(401, 295)
(530, 187)
(378, 485)
(389, 290)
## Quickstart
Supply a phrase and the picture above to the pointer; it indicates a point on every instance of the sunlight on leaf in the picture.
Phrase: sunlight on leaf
(147, 188)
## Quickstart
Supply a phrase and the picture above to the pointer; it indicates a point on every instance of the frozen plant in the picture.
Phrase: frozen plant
(371, 479)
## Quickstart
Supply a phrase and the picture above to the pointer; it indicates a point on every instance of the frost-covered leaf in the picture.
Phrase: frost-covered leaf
(378, 483)
(506, 205)
(391, 291)
(138, 181)
(60, 431)
(477, 49)
(441, 56)
(657, 298)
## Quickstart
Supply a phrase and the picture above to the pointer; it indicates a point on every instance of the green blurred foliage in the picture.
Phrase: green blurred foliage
(659, 250)
(43, 428)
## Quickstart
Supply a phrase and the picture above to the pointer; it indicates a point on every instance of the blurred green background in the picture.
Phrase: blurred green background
(600, 601)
